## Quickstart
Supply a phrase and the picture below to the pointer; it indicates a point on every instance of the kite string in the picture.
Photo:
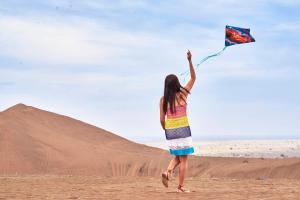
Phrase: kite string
(186, 73)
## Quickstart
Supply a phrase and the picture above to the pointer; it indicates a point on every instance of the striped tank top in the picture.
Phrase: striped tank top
(178, 132)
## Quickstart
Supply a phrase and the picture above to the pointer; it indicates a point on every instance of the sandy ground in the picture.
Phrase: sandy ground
(92, 187)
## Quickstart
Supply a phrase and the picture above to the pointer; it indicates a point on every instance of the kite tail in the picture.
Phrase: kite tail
(186, 73)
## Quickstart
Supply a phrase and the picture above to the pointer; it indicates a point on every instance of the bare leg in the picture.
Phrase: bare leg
(173, 163)
(182, 168)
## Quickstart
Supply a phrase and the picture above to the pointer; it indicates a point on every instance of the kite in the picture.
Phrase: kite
(233, 35)
(236, 35)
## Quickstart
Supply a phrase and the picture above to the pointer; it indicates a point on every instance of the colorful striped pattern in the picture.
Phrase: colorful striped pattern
(178, 133)
(175, 123)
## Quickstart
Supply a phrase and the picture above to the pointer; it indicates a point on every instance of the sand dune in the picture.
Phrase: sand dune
(34, 141)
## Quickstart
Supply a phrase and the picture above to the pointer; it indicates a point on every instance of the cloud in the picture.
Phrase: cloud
(75, 41)
(49, 43)
(91, 59)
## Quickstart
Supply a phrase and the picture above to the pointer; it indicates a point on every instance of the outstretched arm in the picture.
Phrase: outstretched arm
(191, 82)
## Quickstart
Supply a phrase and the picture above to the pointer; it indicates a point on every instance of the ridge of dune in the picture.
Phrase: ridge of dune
(34, 116)
(35, 141)
(20, 107)
(17, 107)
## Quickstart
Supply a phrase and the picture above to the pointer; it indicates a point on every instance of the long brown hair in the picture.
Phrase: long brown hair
(172, 86)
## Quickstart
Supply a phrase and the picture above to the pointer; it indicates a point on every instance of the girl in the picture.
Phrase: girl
(175, 123)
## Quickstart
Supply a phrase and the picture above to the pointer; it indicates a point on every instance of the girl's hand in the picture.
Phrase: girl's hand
(190, 83)
(189, 55)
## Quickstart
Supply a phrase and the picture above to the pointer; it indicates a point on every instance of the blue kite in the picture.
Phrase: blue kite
(236, 35)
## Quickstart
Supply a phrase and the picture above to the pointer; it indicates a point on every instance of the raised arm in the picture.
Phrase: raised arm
(191, 82)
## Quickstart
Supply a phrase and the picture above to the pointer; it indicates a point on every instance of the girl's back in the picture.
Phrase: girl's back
(180, 106)
(177, 130)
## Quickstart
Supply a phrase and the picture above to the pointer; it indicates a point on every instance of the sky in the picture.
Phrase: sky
(104, 62)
